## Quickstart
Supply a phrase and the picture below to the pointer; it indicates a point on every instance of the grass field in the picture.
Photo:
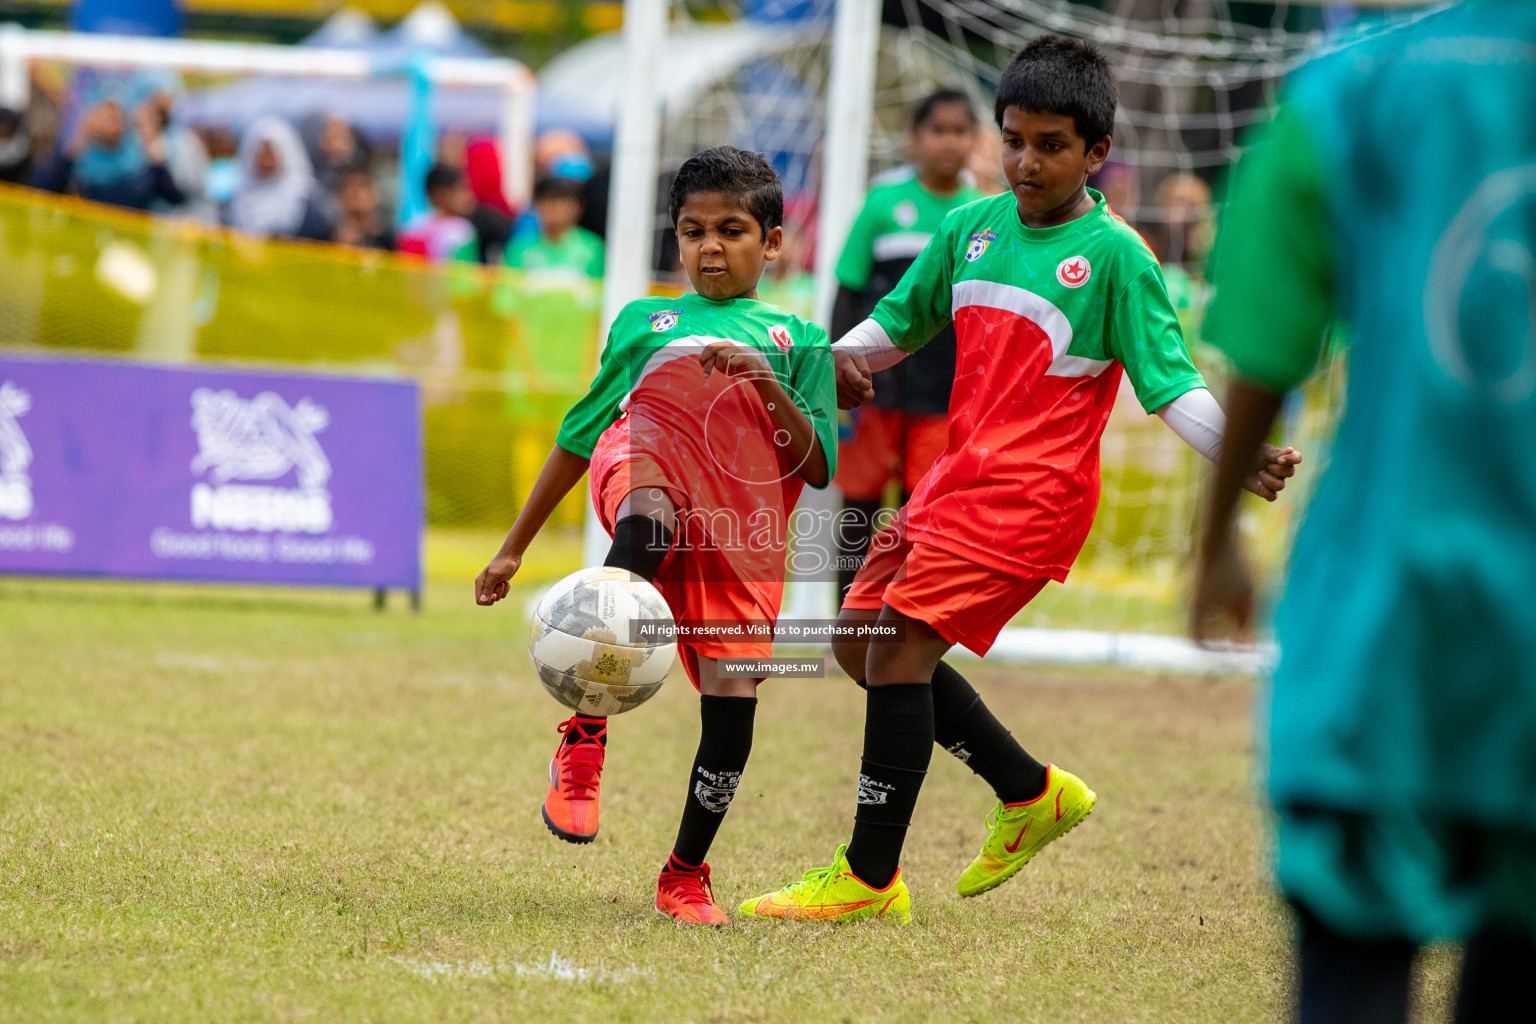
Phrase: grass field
(233, 805)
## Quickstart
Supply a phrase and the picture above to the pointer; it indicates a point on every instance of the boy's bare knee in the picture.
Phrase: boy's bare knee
(850, 655)
(650, 501)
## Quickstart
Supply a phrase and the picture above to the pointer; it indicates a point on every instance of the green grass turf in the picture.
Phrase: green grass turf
(229, 804)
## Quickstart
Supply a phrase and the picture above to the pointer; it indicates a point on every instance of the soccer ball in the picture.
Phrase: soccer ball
(581, 645)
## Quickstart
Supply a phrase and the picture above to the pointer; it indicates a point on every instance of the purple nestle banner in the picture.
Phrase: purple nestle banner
(117, 469)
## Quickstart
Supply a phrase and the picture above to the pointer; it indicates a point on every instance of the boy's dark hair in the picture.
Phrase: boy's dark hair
(443, 176)
(940, 98)
(555, 187)
(735, 172)
(1056, 75)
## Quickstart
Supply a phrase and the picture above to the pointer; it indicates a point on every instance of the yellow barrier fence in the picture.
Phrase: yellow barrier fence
(499, 355)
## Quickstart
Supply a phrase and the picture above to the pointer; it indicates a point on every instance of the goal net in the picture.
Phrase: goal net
(1194, 76)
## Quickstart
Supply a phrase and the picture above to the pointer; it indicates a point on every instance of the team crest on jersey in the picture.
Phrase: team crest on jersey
(664, 320)
(905, 213)
(781, 337)
(978, 247)
(1073, 271)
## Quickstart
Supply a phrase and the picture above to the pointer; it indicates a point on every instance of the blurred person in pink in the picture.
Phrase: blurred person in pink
(492, 215)
(446, 231)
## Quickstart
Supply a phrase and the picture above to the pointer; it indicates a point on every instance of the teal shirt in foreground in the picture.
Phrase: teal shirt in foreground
(1396, 193)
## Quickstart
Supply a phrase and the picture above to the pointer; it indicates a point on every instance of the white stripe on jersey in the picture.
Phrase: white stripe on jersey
(1035, 308)
(678, 348)
(899, 245)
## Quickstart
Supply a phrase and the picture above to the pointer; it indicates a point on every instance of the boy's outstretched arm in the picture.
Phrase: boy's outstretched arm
(1199, 422)
(1223, 584)
(803, 448)
(856, 356)
(562, 471)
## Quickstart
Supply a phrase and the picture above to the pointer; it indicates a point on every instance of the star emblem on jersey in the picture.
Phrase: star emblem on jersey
(664, 320)
(780, 337)
(1073, 271)
(978, 247)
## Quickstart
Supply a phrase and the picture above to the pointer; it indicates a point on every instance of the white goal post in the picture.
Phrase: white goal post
(19, 47)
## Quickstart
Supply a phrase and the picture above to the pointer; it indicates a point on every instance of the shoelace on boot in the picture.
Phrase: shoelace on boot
(586, 732)
(689, 886)
(581, 767)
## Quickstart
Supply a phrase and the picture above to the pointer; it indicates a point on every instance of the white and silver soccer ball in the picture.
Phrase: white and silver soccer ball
(583, 646)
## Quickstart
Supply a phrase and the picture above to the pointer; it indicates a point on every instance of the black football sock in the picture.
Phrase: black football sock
(1495, 972)
(1342, 980)
(966, 727)
(898, 742)
(725, 740)
(587, 729)
(853, 530)
(640, 544)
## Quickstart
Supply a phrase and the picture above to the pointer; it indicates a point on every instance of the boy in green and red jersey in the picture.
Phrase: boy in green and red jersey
(903, 429)
(1052, 297)
(694, 473)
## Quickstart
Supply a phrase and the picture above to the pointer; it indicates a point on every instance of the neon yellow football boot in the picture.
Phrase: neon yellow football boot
(834, 894)
(1019, 831)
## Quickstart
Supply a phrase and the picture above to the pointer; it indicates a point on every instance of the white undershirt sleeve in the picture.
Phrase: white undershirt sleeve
(869, 340)
(1198, 421)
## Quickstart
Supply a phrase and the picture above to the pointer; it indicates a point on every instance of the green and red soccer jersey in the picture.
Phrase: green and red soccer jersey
(1045, 319)
(652, 418)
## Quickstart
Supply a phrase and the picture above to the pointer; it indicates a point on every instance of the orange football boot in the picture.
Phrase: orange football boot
(575, 772)
(684, 894)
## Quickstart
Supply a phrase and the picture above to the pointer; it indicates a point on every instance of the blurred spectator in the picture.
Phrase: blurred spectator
(789, 283)
(223, 178)
(482, 166)
(1121, 187)
(595, 199)
(1184, 221)
(15, 147)
(108, 163)
(492, 215)
(560, 153)
(560, 243)
(446, 233)
(277, 194)
(984, 168)
(361, 223)
(153, 101)
(44, 111)
(334, 148)
(1180, 238)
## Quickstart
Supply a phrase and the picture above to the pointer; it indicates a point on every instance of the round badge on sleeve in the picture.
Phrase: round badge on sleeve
(1073, 271)
(781, 337)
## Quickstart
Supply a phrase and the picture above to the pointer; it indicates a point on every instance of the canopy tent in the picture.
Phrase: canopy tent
(373, 106)
(588, 78)
(299, 80)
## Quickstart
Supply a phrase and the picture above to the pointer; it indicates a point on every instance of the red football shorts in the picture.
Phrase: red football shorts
(887, 443)
(965, 603)
(699, 582)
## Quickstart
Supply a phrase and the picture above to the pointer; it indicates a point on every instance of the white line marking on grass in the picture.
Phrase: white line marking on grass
(557, 969)
(207, 662)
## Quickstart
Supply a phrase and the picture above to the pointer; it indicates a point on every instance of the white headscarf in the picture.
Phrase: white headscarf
(273, 205)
